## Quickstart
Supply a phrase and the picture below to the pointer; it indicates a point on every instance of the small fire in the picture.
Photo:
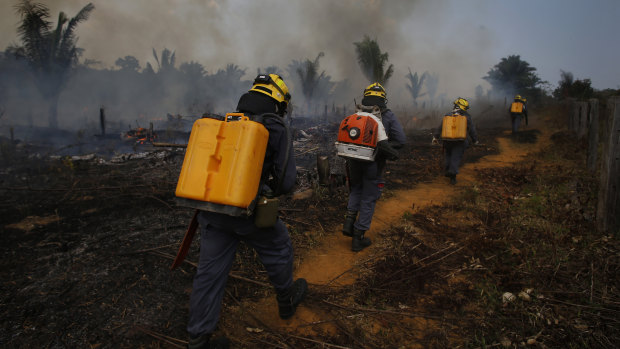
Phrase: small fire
(141, 135)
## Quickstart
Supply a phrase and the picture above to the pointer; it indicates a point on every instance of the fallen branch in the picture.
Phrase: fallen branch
(178, 343)
(400, 313)
(172, 145)
(306, 151)
(195, 265)
(295, 220)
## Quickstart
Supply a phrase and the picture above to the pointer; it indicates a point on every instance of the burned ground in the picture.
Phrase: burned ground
(87, 244)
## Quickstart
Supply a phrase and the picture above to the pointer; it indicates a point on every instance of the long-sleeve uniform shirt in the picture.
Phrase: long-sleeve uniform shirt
(454, 150)
(366, 179)
(516, 118)
(220, 235)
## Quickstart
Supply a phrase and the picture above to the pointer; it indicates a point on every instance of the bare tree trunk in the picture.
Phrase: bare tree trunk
(53, 111)
(102, 120)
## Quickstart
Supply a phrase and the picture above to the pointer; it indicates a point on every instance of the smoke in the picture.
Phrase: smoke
(258, 34)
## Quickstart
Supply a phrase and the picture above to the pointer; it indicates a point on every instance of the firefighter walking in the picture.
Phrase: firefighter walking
(365, 177)
(518, 111)
(220, 233)
(456, 141)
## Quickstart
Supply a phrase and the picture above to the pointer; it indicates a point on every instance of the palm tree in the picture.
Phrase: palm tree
(415, 85)
(310, 78)
(372, 61)
(51, 52)
(226, 85)
(167, 62)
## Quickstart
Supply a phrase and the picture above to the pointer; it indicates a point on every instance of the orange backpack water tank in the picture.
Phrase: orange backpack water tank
(516, 107)
(223, 163)
(360, 129)
(359, 134)
(454, 127)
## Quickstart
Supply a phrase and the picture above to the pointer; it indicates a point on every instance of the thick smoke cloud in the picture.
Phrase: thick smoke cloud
(258, 34)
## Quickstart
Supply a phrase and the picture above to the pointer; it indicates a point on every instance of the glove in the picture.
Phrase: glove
(387, 151)
(435, 141)
(477, 142)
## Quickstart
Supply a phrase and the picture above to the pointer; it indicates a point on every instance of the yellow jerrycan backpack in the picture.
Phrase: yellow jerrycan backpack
(516, 107)
(454, 127)
(222, 168)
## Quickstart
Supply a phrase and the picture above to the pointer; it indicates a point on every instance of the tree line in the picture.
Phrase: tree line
(47, 63)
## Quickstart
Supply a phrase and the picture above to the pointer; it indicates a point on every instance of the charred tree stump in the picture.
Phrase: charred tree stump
(608, 206)
(102, 120)
(593, 119)
(322, 166)
(150, 132)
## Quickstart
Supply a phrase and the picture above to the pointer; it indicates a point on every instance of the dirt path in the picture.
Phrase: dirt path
(333, 263)
(334, 258)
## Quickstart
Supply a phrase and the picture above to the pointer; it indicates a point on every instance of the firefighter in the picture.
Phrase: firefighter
(220, 234)
(454, 149)
(365, 178)
(518, 111)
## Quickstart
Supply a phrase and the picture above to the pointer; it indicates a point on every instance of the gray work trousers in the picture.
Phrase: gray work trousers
(219, 238)
(516, 122)
(366, 187)
(453, 155)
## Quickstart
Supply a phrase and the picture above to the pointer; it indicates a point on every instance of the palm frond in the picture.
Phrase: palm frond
(66, 53)
(33, 30)
(156, 59)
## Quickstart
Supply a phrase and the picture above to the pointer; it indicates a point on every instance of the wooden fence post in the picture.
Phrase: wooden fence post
(581, 110)
(593, 127)
(571, 114)
(608, 206)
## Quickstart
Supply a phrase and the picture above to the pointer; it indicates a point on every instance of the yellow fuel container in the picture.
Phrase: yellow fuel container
(516, 107)
(223, 163)
(454, 127)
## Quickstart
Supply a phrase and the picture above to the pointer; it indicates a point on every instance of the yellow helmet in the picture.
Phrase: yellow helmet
(518, 98)
(461, 103)
(273, 86)
(375, 89)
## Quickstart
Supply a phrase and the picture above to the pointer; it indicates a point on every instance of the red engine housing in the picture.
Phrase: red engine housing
(358, 129)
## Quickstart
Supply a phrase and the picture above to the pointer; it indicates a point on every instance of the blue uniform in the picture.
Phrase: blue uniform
(516, 118)
(220, 235)
(366, 178)
(454, 150)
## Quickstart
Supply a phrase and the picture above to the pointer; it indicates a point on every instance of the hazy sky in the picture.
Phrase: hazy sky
(460, 40)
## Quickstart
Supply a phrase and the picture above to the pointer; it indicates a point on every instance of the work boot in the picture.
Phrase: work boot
(453, 179)
(205, 342)
(290, 299)
(349, 220)
(359, 241)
